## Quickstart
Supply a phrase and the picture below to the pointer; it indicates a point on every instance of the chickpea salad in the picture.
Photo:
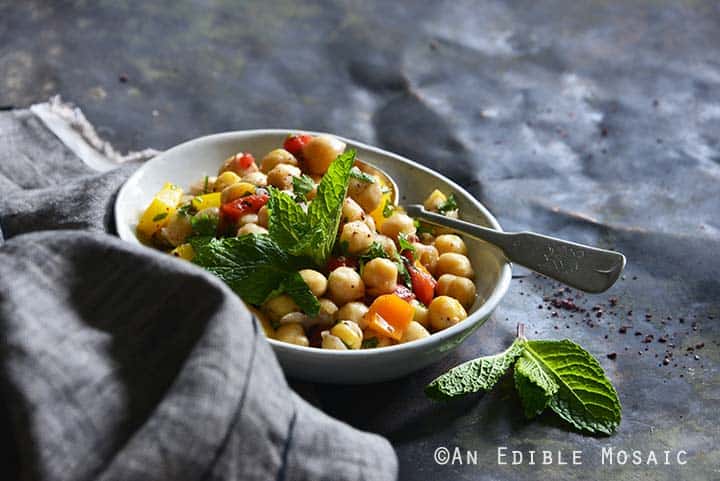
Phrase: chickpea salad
(315, 246)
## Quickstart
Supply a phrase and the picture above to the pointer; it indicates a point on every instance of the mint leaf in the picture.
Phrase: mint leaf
(287, 222)
(556, 374)
(533, 386)
(325, 210)
(252, 265)
(449, 205)
(584, 396)
(302, 186)
(472, 376)
(295, 287)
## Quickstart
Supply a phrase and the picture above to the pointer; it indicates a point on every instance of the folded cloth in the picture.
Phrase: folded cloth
(120, 363)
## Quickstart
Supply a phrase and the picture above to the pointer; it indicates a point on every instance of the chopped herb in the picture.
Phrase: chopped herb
(204, 224)
(205, 186)
(423, 228)
(369, 343)
(342, 248)
(302, 186)
(449, 205)
(377, 250)
(388, 209)
(405, 243)
(186, 210)
(160, 217)
(356, 173)
(403, 272)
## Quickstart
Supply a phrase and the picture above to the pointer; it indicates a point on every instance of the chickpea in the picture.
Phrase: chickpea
(421, 313)
(279, 306)
(281, 176)
(330, 341)
(235, 191)
(316, 282)
(319, 153)
(427, 255)
(327, 311)
(265, 323)
(226, 179)
(275, 157)
(349, 333)
(256, 178)
(450, 243)
(396, 224)
(380, 276)
(367, 194)
(294, 318)
(263, 216)
(461, 288)
(234, 164)
(353, 311)
(352, 211)
(434, 200)
(357, 235)
(414, 331)
(452, 263)
(247, 219)
(345, 285)
(251, 229)
(387, 244)
(177, 229)
(370, 222)
(445, 311)
(292, 333)
(200, 186)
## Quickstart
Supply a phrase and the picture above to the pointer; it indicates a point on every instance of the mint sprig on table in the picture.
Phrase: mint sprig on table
(560, 375)
(260, 266)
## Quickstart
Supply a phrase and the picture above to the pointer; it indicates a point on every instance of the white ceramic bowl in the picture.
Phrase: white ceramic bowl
(192, 160)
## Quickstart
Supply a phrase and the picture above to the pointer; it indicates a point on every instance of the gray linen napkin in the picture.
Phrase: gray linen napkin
(120, 363)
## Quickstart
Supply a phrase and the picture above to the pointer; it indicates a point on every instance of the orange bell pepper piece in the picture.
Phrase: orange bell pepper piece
(389, 315)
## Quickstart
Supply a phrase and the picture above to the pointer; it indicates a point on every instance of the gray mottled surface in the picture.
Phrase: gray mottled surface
(596, 121)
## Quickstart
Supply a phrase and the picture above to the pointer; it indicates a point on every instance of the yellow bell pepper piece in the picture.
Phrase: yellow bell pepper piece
(158, 213)
(205, 201)
(183, 251)
(377, 214)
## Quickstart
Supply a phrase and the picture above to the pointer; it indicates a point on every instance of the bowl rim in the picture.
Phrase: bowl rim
(483, 311)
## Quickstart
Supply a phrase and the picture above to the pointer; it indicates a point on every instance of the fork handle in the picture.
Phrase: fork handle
(584, 267)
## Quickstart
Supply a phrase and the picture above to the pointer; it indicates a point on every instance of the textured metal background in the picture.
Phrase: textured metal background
(594, 121)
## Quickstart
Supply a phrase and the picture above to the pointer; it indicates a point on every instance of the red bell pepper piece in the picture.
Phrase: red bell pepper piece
(423, 284)
(295, 143)
(250, 204)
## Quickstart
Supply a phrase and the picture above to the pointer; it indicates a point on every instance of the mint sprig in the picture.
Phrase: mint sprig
(548, 373)
(312, 234)
(260, 266)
